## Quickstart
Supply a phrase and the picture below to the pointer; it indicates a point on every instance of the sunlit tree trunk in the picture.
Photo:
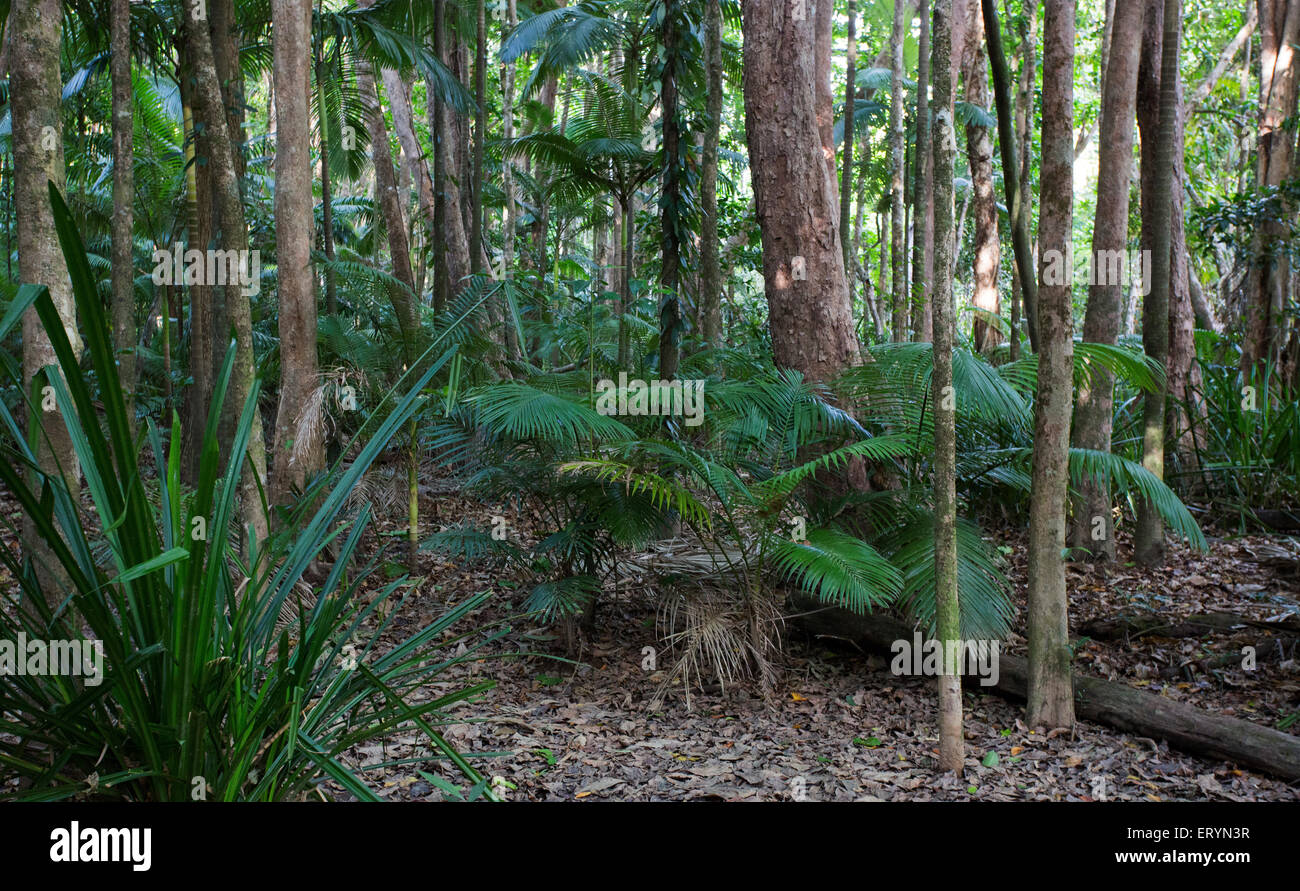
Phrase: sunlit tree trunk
(1051, 700)
(803, 268)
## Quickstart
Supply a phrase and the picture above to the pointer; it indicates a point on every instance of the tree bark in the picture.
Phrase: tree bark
(1095, 406)
(1268, 281)
(922, 188)
(1016, 188)
(34, 96)
(210, 115)
(947, 613)
(1149, 540)
(298, 452)
(898, 214)
(710, 265)
(803, 268)
(850, 131)
(123, 279)
(1050, 700)
(988, 247)
(670, 219)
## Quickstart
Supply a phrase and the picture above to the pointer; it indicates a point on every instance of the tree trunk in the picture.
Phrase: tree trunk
(850, 131)
(1016, 190)
(1157, 218)
(198, 233)
(922, 188)
(670, 314)
(803, 269)
(34, 95)
(1093, 529)
(298, 452)
(710, 266)
(979, 150)
(210, 115)
(1051, 702)
(898, 216)
(480, 134)
(123, 278)
(947, 613)
(1269, 278)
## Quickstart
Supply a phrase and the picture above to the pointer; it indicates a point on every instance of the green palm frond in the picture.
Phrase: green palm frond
(838, 569)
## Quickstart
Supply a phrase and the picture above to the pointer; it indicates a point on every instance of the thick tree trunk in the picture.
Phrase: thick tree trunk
(898, 214)
(298, 452)
(34, 96)
(803, 269)
(942, 397)
(710, 266)
(979, 150)
(210, 115)
(1050, 700)
(1157, 218)
(1092, 531)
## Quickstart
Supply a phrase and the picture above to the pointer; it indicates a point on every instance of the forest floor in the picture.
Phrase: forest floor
(841, 726)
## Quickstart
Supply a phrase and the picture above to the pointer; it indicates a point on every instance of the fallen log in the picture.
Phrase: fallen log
(1184, 727)
(1144, 625)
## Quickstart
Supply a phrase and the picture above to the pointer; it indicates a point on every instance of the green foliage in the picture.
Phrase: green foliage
(239, 689)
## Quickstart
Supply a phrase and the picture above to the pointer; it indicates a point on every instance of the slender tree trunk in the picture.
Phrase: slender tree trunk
(1016, 191)
(1051, 699)
(979, 150)
(123, 278)
(1092, 531)
(403, 296)
(850, 130)
(710, 266)
(922, 189)
(823, 43)
(326, 193)
(298, 452)
(507, 167)
(898, 215)
(480, 134)
(1267, 292)
(947, 612)
(808, 299)
(1149, 541)
(198, 233)
(210, 115)
(670, 313)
